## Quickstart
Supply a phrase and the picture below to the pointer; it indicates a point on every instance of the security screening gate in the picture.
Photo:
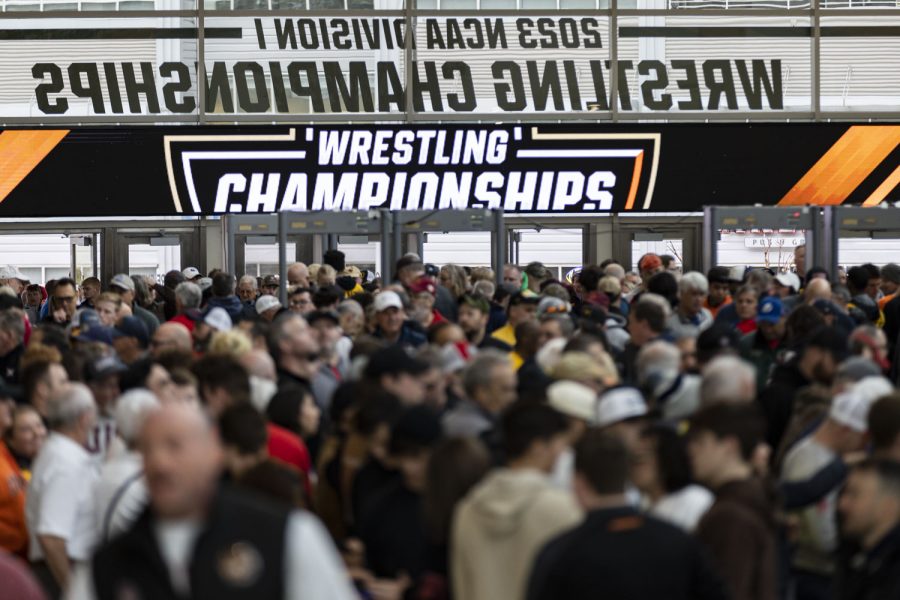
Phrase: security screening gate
(389, 225)
(807, 218)
(874, 222)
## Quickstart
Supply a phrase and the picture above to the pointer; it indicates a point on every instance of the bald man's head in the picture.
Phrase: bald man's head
(817, 289)
(260, 364)
(171, 336)
(182, 460)
(298, 275)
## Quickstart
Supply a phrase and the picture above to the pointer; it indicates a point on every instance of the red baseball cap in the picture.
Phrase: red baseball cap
(422, 285)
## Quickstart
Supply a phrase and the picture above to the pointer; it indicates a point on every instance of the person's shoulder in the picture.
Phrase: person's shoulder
(551, 501)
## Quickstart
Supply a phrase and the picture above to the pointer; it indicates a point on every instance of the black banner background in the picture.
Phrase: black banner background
(122, 171)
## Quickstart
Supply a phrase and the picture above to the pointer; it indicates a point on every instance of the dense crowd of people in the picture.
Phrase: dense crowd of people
(452, 434)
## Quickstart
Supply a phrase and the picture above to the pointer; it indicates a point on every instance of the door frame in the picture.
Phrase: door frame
(689, 229)
(117, 240)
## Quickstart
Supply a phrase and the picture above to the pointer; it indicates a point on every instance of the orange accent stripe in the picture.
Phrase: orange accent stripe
(844, 166)
(884, 189)
(635, 180)
(21, 151)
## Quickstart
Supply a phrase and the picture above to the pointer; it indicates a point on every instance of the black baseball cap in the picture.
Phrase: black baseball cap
(394, 360)
(718, 339)
(417, 428)
(318, 315)
(105, 366)
(521, 297)
(830, 340)
(132, 327)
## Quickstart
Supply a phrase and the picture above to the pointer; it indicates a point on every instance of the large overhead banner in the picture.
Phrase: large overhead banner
(356, 65)
(534, 170)
(144, 66)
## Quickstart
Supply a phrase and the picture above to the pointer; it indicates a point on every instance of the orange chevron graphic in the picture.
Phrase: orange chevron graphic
(21, 151)
(884, 189)
(845, 166)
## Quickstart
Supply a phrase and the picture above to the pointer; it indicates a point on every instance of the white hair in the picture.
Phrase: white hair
(728, 380)
(261, 392)
(189, 293)
(67, 406)
(615, 270)
(693, 282)
(248, 279)
(350, 307)
(658, 300)
(658, 364)
(485, 288)
(131, 411)
(550, 353)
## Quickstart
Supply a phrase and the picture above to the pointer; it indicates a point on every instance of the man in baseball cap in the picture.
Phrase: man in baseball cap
(522, 307)
(622, 411)
(422, 294)
(392, 326)
(270, 285)
(842, 432)
(11, 276)
(267, 307)
(130, 339)
(192, 274)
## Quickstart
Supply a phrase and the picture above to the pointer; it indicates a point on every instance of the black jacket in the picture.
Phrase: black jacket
(777, 400)
(622, 554)
(238, 554)
(873, 575)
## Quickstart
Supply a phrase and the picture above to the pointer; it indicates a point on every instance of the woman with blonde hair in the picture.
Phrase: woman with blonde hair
(234, 343)
(453, 277)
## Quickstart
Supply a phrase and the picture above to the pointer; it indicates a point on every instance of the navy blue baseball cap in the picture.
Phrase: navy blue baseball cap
(132, 327)
(96, 333)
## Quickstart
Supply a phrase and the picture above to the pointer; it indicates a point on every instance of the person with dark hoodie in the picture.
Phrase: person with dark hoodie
(739, 528)
(166, 291)
(858, 282)
(392, 526)
(612, 551)
(223, 296)
(816, 362)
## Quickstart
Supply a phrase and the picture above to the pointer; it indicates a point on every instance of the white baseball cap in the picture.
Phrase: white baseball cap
(851, 409)
(873, 387)
(790, 280)
(620, 404)
(122, 281)
(191, 273)
(574, 400)
(218, 319)
(266, 302)
(387, 299)
(11, 272)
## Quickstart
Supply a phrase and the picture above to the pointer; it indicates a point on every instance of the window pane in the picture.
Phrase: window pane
(672, 64)
(859, 73)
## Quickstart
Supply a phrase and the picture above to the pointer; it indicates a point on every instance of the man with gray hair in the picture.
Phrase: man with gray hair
(490, 383)
(188, 297)
(247, 289)
(121, 494)
(60, 505)
(728, 379)
(659, 376)
(691, 318)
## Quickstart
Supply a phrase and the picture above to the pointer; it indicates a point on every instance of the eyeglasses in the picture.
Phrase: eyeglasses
(64, 298)
(310, 357)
